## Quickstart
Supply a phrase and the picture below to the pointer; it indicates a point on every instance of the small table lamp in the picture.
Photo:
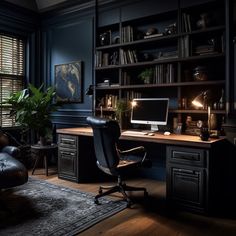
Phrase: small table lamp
(202, 100)
(206, 98)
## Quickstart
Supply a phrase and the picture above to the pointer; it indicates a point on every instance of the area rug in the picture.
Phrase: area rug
(41, 208)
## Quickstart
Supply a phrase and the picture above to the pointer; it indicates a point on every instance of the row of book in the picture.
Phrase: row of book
(109, 101)
(185, 46)
(128, 56)
(130, 95)
(186, 23)
(127, 34)
(106, 59)
(164, 73)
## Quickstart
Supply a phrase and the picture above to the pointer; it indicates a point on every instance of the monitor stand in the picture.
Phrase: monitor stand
(154, 128)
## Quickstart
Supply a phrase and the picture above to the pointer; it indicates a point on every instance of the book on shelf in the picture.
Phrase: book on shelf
(102, 84)
(185, 46)
(186, 23)
(128, 56)
(164, 73)
(203, 49)
(153, 36)
(115, 85)
(109, 101)
(127, 34)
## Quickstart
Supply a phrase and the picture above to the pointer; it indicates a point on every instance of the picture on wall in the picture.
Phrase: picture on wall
(68, 82)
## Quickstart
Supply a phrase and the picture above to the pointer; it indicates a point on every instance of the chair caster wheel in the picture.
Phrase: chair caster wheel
(129, 203)
(96, 201)
(100, 191)
(145, 194)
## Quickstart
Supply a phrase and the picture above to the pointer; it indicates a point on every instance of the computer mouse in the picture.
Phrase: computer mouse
(166, 133)
(151, 134)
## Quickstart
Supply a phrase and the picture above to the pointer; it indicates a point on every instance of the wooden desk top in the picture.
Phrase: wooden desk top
(173, 139)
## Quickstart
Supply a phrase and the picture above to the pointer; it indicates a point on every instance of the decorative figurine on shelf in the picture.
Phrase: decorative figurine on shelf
(200, 73)
(105, 38)
(170, 29)
(203, 22)
(151, 31)
(114, 58)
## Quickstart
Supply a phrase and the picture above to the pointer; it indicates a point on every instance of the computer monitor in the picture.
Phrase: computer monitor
(153, 111)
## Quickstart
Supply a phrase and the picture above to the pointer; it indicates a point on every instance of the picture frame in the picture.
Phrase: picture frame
(68, 82)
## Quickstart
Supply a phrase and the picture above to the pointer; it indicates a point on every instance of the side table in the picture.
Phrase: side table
(43, 152)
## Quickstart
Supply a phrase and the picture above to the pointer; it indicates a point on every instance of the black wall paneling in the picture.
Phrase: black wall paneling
(189, 3)
(147, 8)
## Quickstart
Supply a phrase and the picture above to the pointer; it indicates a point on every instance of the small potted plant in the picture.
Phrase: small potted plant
(146, 76)
(122, 112)
(32, 108)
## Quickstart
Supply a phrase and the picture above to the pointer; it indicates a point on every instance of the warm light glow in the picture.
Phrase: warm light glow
(134, 103)
(197, 103)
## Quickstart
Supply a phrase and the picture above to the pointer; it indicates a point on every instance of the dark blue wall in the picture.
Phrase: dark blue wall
(68, 38)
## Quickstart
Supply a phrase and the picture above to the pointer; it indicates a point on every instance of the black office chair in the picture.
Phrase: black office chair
(113, 161)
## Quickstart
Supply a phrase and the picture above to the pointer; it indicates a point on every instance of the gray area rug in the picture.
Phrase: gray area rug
(41, 208)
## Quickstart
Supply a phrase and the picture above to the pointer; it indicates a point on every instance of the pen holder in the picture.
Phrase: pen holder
(204, 134)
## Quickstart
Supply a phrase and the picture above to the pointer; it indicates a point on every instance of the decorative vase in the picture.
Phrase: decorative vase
(204, 134)
(213, 120)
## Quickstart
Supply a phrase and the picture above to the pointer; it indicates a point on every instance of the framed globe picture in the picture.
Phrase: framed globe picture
(68, 82)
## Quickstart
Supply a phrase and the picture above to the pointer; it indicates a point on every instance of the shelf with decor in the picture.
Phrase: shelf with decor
(176, 54)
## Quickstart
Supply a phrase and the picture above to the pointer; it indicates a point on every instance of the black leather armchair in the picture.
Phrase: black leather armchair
(12, 172)
(113, 161)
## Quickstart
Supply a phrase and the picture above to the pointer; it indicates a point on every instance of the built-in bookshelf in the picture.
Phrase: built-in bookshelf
(181, 52)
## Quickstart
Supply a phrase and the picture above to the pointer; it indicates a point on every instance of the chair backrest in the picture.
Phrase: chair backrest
(106, 133)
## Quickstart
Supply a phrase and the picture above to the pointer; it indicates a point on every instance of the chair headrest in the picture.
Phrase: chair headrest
(97, 122)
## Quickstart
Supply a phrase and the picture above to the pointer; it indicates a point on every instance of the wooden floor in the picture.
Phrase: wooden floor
(151, 216)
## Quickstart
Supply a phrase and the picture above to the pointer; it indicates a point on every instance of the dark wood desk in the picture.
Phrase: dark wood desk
(194, 168)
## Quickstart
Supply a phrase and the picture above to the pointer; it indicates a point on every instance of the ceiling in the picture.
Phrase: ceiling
(38, 5)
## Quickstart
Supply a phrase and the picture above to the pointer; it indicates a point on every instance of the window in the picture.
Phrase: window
(12, 62)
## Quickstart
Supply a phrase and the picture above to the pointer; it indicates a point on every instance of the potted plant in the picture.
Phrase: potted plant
(32, 108)
(146, 75)
(122, 112)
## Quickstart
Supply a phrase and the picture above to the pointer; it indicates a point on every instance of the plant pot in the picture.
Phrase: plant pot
(147, 80)
(42, 141)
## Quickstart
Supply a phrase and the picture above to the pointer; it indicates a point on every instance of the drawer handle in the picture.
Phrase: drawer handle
(67, 140)
(68, 153)
(186, 156)
(186, 171)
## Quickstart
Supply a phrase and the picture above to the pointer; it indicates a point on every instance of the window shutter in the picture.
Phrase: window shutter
(12, 62)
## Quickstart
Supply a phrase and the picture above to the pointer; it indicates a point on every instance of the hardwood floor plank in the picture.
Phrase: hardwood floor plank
(150, 217)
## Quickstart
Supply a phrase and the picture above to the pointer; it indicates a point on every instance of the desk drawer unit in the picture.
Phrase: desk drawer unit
(187, 177)
(68, 157)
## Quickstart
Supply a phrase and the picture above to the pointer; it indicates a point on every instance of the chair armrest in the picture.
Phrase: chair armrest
(131, 151)
(145, 162)
(11, 150)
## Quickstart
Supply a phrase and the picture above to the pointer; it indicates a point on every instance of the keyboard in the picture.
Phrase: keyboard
(133, 132)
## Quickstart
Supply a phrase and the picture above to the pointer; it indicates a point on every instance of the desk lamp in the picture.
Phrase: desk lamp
(205, 99)
(89, 90)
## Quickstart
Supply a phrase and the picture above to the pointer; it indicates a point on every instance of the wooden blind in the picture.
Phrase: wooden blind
(12, 62)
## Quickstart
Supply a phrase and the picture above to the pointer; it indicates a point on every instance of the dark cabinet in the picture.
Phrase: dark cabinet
(68, 157)
(187, 186)
(76, 158)
(187, 178)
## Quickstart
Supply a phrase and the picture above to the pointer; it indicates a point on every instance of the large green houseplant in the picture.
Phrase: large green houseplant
(32, 108)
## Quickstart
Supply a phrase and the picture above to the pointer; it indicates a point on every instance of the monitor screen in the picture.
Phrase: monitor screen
(153, 111)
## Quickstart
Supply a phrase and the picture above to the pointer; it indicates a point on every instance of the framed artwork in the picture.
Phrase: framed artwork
(68, 82)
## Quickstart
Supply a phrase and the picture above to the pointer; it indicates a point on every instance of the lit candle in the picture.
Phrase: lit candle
(101, 111)
(209, 117)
